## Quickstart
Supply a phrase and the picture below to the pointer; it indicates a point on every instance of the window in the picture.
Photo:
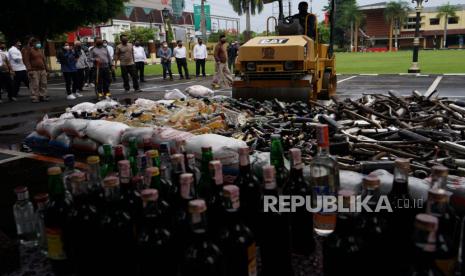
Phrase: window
(434, 21)
(410, 23)
(453, 20)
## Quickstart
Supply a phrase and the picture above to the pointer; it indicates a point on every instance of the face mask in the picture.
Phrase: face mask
(38, 45)
(137, 44)
(200, 42)
(124, 41)
(223, 41)
(66, 47)
(104, 44)
(99, 43)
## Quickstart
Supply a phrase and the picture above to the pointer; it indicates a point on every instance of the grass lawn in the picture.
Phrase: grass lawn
(431, 62)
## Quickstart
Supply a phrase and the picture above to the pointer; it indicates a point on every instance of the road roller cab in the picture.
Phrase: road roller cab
(288, 67)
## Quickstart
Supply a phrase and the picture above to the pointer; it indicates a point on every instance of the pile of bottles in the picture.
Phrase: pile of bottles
(154, 212)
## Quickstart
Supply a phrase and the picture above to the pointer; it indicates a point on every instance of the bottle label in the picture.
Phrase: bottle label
(252, 259)
(55, 244)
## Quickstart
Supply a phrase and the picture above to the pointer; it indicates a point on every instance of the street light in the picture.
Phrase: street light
(166, 15)
(416, 41)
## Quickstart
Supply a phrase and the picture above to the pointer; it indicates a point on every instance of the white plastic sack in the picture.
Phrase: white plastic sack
(105, 132)
(84, 107)
(199, 91)
(174, 94)
(144, 103)
(75, 127)
(140, 133)
(106, 103)
(165, 102)
(50, 127)
(84, 145)
(62, 143)
(171, 135)
(224, 148)
(67, 115)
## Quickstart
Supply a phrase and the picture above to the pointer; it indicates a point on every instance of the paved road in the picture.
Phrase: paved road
(19, 118)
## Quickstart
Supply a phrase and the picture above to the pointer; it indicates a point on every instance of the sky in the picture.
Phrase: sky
(258, 22)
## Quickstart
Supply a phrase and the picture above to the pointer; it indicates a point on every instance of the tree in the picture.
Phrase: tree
(248, 7)
(446, 11)
(395, 14)
(352, 16)
(323, 32)
(47, 18)
(142, 34)
(342, 20)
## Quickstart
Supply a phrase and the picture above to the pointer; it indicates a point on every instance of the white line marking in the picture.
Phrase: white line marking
(454, 74)
(349, 78)
(368, 74)
(433, 86)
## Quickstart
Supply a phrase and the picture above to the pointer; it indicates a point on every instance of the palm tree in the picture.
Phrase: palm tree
(446, 11)
(353, 17)
(248, 7)
(395, 14)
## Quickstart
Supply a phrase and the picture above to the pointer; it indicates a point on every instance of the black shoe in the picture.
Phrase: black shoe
(142, 81)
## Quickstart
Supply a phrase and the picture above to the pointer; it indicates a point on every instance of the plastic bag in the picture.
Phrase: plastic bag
(75, 127)
(106, 103)
(105, 132)
(67, 115)
(50, 127)
(144, 103)
(199, 91)
(36, 141)
(84, 107)
(140, 133)
(85, 145)
(224, 149)
(171, 135)
(174, 94)
(61, 144)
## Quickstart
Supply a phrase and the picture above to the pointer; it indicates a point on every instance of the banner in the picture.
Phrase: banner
(197, 13)
(178, 7)
(128, 10)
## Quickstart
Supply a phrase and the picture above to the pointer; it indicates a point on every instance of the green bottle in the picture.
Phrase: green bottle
(203, 188)
(108, 166)
(153, 173)
(277, 159)
(133, 155)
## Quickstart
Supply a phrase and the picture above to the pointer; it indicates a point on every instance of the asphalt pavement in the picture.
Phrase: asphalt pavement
(17, 119)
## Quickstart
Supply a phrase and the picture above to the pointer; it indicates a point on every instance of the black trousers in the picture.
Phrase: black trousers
(167, 69)
(71, 82)
(182, 63)
(89, 75)
(20, 76)
(199, 63)
(5, 84)
(104, 80)
(127, 70)
(140, 70)
(80, 78)
(113, 74)
(231, 64)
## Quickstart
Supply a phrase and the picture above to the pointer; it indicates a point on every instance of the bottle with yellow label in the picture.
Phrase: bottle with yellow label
(55, 221)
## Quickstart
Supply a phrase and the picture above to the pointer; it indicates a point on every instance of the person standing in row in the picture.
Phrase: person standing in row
(81, 65)
(67, 59)
(223, 77)
(165, 55)
(232, 54)
(5, 72)
(140, 59)
(90, 71)
(16, 60)
(125, 54)
(111, 50)
(200, 56)
(180, 55)
(36, 66)
(102, 62)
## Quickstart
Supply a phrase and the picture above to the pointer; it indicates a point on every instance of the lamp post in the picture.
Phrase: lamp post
(166, 16)
(416, 41)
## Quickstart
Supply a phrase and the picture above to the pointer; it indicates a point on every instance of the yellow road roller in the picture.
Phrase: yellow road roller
(290, 66)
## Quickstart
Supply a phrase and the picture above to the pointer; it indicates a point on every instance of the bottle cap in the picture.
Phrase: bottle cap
(21, 189)
(177, 158)
(244, 151)
(77, 177)
(371, 181)
(110, 181)
(231, 192)
(275, 136)
(269, 173)
(94, 159)
(439, 171)
(152, 153)
(426, 222)
(185, 182)
(322, 134)
(149, 195)
(296, 158)
(244, 156)
(68, 160)
(54, 171)
(206, 149)
(217, 169)
(438, 195)
(197, 206)
(152, 171)
(41, 198)
(402, 163)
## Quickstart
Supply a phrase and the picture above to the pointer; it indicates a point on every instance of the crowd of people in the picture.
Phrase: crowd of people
(93, 66)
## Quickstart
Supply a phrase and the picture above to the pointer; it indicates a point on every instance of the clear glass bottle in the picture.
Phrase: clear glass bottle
(325, 182)
(439, 175)
(25, 219)
(42, 202)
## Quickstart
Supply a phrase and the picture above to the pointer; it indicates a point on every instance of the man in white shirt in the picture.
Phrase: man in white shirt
(140, 59)
(16, 60)
(200, 55)
(180, 55)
